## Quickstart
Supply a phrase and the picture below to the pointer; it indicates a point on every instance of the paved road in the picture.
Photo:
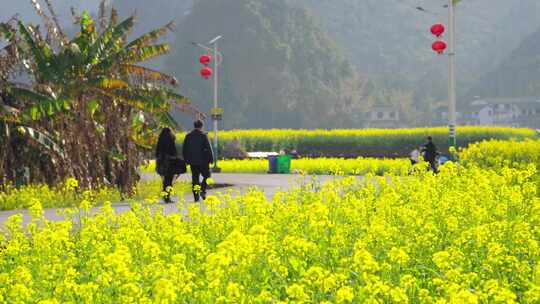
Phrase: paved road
(241, 183)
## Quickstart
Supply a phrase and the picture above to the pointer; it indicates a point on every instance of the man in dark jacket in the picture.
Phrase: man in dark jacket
(198, 154)
(430, 153)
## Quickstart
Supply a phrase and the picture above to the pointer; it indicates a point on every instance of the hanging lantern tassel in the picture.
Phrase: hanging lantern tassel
(206, 72)
(439, 46)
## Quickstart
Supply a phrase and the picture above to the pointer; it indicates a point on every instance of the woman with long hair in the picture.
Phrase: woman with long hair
(165, 152)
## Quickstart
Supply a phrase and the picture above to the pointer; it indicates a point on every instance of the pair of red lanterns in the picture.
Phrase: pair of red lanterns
(206, 71)
(440, 45)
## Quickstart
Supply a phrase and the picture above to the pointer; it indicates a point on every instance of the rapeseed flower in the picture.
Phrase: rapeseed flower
(424, 239)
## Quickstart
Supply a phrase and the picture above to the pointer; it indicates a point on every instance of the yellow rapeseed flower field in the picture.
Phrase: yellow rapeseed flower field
(69, 194)
(316, 166)
(498, 153)
(328, 166)
(466, 235)
(361, 142)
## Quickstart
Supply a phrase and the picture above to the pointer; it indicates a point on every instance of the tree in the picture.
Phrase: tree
(88, 96)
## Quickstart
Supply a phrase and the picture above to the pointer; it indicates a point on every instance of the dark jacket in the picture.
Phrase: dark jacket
(165, 150)
(197, 149)
(430, 151)
(166, 147)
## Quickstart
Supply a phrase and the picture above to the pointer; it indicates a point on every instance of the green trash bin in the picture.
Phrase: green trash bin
(284, 164)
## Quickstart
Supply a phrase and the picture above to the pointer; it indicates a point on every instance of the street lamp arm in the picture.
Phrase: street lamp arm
(202, 46)
(215, 39)
(210, 51)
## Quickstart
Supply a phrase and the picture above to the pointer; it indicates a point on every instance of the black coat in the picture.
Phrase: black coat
(430, 151)
(197, 149)
(166, 148)
(165, 151)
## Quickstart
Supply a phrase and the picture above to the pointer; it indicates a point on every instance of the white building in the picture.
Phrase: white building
(382, 117)
(515, 112)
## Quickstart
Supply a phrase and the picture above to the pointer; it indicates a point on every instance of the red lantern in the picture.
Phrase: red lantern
(206, 72)
(437, 29)
(439, 46)
(205, 59)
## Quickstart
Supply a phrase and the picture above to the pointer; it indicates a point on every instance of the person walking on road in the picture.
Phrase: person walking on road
(430, 153)
(198, 154)
(165, 153)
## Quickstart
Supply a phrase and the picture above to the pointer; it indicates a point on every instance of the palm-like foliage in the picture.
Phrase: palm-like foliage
(90, 95)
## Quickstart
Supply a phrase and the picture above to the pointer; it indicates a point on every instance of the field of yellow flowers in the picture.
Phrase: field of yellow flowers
(498, 154)
(330, 166)
(361, 142)
(69, 194)
(466, 235)
(316, 166)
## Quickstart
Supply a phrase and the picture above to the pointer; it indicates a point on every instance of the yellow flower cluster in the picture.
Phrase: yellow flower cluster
(361, 142)
(466, 235)
(317, 166)
(69, 194)
(381, 134)
(328, 166)
(498, 155)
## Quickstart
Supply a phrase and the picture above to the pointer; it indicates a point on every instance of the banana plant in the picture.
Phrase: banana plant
(90, 97)
(103, 65)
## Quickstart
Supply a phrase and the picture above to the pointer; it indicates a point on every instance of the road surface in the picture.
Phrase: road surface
(240, 183)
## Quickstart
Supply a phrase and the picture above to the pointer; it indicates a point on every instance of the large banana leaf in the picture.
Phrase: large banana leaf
(42, 139)
(41, 53)
(147, 100)
(9, 114)
(145, 134)
(131, 56)
(151, 37)
(147, 52)
(177, 98)
(111, 83)
(41, 105)
(109, 39)
(146, 75)
(166, 119)
(159, 97)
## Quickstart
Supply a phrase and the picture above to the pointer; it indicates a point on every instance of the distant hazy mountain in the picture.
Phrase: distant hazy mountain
(517, 76)
(391, 39)
(387, 41)
(280, 69)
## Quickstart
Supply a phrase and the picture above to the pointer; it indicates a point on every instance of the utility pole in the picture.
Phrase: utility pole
(452, 74)
(439, 46)
(216, 112)
(215, 115)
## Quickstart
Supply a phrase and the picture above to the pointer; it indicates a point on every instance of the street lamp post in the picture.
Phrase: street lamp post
(216, 113)
(436, 30)
(214, 116)
(452, 73)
